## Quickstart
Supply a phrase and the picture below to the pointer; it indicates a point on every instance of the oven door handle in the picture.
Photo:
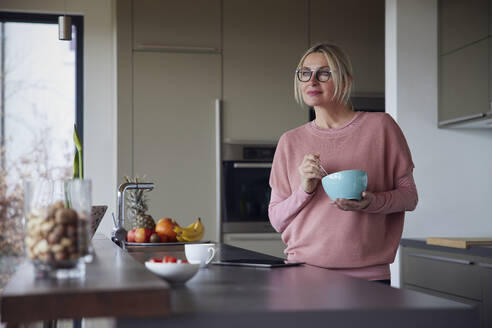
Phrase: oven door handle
(252, 165)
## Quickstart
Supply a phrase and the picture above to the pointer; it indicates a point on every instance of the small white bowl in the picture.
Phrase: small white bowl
(173, 272)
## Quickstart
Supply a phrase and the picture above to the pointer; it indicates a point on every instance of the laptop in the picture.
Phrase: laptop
(259, 263)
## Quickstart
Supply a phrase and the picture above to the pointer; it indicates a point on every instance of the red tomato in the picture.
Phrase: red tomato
(156, 260)
(170, 259)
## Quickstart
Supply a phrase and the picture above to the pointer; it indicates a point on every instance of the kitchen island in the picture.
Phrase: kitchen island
(222, 296)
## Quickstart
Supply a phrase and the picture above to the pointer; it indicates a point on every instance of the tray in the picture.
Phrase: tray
(127, 244)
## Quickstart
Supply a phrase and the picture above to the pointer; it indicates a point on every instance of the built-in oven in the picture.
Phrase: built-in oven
(246, 190)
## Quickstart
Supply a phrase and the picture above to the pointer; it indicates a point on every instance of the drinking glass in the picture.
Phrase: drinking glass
(57, 223)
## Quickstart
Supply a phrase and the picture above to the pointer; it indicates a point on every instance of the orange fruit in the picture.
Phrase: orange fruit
(164, 229)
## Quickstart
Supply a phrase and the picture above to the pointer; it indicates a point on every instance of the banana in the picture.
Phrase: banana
(198, 224)
(196, 236)
(193, 232)
(179, 230)
(189, 227)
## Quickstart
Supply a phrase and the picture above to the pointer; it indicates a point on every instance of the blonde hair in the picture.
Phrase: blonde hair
(341, 71)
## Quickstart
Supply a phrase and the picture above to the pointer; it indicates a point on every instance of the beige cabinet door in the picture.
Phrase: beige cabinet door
(263, 41)
(462, 23)
(174, 133)
(357, 27)
(180, 24)
(464, 82)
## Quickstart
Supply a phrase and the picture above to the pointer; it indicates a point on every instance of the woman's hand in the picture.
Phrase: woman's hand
(355, 205)
(310, 172)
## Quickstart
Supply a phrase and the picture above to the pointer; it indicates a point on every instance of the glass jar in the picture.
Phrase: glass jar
(57, 223)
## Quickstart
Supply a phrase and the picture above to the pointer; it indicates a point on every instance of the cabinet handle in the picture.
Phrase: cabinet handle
(252, 165)
(441, 258)
(165, 47)
(461, 119)
(485, 265)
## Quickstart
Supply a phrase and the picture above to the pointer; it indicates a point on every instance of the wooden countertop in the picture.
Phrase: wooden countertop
(118, 285)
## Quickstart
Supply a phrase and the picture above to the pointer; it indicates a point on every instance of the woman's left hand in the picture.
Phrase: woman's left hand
(355, 205)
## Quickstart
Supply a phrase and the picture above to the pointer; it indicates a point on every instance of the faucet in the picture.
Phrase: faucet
(119, 232)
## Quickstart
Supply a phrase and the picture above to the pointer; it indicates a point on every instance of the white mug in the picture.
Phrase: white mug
(200, 253)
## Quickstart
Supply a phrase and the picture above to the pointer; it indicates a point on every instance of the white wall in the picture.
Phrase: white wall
(100, 112)
(453, 167)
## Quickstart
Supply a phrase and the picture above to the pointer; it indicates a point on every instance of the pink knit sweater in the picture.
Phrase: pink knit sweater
(358, 243)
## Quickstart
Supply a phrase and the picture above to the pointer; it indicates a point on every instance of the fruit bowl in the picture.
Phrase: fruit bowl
(173, 272)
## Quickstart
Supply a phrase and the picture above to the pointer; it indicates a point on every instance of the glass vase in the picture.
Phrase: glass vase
(57, 223)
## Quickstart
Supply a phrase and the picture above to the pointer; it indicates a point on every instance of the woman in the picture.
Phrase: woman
(358, 238)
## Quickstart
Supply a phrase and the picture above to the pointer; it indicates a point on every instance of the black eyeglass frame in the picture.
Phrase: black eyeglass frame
(298, 74)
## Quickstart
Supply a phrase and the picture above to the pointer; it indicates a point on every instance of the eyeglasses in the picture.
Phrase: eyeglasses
(322, 75)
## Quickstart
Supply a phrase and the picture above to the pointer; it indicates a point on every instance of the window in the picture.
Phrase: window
(40, 101)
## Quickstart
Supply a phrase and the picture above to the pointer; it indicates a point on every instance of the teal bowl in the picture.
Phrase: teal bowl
(348, 184)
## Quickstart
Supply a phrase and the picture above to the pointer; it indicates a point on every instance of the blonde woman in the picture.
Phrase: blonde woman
(358, 238)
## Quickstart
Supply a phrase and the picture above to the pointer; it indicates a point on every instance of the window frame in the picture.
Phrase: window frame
(78, 23)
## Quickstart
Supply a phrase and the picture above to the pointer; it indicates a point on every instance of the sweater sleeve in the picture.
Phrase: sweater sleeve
(284, 202)
(403, 194)
(403, 198)
(282, 211)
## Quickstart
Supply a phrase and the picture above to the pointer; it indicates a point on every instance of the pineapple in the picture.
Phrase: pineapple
(137, 208)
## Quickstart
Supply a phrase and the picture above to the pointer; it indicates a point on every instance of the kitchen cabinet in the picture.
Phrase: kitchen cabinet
(358, 27)
(263, 41)
(176, 25)
(459, 275)
(266, 243)
(174, 133)
(441, 272)
(465, 69)
(464, 83)
(462, 23)
(485, 277)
